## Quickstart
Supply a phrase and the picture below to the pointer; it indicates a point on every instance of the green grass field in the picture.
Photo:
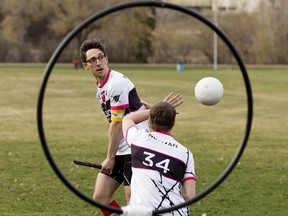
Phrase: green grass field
(75, 128)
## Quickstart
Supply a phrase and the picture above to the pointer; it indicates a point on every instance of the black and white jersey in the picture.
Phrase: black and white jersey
(160, 165)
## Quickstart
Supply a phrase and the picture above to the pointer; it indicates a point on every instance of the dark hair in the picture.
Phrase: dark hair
(91, 44)
(162, 116)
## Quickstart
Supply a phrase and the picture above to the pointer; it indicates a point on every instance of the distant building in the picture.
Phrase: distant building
(220, 5)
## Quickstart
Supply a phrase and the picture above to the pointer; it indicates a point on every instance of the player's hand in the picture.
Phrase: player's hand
(174, 100)
(107, 166)
(146, 105)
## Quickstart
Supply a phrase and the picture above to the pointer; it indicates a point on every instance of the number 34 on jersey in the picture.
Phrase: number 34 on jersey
(166, 165)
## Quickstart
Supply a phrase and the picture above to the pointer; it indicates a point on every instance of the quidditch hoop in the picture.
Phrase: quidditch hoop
(111, 10)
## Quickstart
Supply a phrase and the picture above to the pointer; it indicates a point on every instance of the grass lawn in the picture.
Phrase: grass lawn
(76, 128)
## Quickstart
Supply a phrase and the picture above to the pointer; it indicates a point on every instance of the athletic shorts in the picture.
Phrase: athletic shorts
(122, 171)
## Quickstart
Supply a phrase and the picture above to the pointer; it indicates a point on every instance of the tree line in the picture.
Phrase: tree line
(31, 30)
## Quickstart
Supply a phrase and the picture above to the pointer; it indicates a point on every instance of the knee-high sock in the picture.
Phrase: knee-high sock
(113, 204)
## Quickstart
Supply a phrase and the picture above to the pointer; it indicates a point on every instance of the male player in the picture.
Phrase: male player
(163, 169)
(118, 96)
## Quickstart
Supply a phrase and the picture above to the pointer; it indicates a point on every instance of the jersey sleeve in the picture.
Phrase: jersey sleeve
(190, 169)
(131, 134)
(119, 100)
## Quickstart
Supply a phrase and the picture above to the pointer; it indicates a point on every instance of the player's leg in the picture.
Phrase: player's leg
(127, 192)
(127, 174)
(105, 187)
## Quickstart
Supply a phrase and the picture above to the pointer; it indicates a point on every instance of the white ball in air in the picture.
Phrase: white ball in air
(209, 91)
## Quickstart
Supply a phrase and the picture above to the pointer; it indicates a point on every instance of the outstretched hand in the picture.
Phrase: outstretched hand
(146, 105)
(174, 100)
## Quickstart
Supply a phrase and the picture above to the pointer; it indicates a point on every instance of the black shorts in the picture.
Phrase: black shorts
(122, 170)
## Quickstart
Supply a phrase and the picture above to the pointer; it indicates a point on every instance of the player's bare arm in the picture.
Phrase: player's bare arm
(115, 135)
(134, 118)
(189, 189)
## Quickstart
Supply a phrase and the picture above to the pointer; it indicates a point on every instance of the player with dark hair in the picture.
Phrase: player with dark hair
(163, 169)
(118, 97)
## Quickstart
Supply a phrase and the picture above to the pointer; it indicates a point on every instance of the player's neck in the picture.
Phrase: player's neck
(101, 79)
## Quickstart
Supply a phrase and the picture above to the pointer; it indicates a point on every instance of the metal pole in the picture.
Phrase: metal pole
(215, 38)
(215, 54)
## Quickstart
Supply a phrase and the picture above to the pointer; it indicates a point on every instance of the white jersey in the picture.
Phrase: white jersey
(115, 94)
(160, 165)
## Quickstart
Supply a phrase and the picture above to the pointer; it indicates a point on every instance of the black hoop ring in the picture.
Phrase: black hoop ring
(108, 11)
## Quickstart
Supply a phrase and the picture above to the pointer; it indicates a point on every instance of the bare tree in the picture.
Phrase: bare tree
(274, 35)
(31, 30)
(241, 28)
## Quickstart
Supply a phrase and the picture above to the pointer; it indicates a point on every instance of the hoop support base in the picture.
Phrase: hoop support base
(132, 210)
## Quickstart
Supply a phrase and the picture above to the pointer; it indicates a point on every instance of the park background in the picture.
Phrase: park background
(146, 44)
(31, 30)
